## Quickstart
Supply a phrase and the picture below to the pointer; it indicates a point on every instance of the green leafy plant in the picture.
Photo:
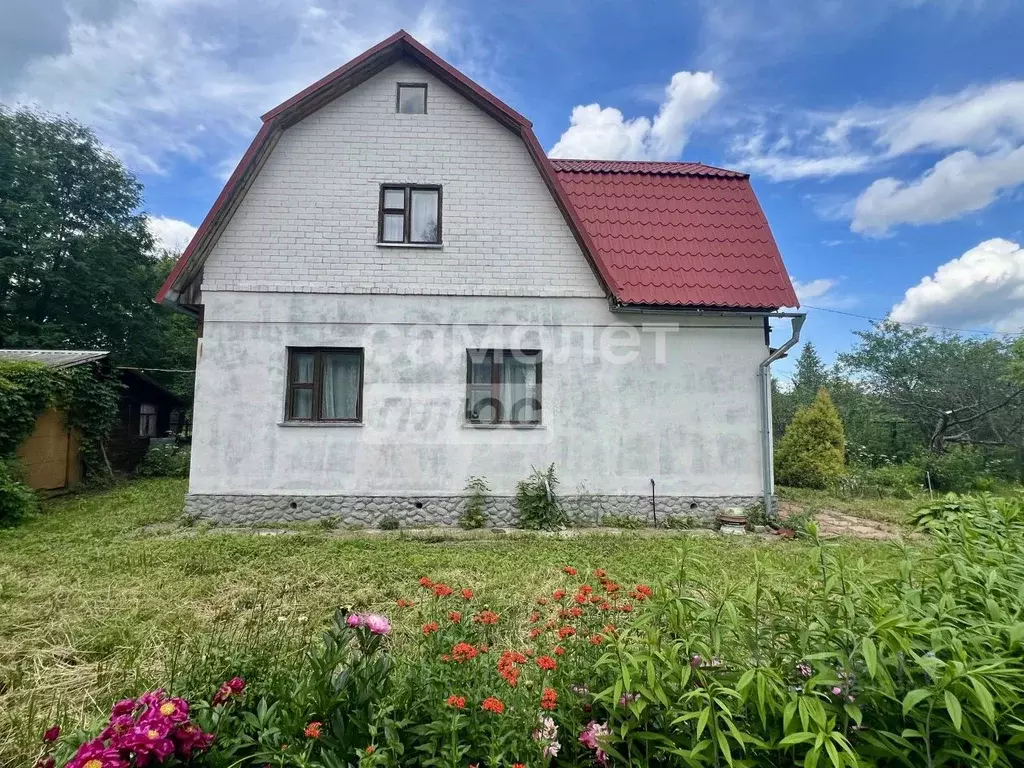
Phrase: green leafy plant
(389, 523)
(538, 504)
(166, 461)
(810, 454)
(472, 515)
(625, 522)
(16, 498)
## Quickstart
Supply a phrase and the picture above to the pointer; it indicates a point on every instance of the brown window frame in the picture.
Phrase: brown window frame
(406, 212)
(398, 98)
(316, 385)
(496, 357)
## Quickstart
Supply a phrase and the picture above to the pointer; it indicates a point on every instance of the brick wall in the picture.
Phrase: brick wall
(309, 221)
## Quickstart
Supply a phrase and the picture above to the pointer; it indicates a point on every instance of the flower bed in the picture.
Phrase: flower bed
(923, 669)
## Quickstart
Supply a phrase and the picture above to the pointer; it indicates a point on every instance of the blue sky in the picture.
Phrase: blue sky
(885, 138)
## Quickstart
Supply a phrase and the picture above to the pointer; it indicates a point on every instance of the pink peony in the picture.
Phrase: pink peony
(96, 754)
(354, 620)
(189, 738)
(377, 624)
(591, 739)
(123, 707)
(175, 710)
(51, 734)
(147, 740)
(117, 727)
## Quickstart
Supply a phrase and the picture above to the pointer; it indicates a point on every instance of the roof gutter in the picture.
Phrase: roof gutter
(764, 376)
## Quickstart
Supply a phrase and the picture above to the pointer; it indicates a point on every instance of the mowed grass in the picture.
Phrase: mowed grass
(98, 589)
(886, 509)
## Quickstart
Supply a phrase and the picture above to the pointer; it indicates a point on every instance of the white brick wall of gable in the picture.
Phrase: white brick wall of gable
(309, 221)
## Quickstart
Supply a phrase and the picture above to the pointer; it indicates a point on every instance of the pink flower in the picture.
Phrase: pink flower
(233, 687)
(175, 710)
(237, 685)
(354, 620)
(51, 734)
(377, 624)
(118, 726)
(149, 739)
(123, 707)
(837, 691)
(189, 738)
(96, 754)
(591, 737)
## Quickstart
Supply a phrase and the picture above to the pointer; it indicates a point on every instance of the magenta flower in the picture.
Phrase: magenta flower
(189, 738)
(123, 707)
(149, 739)
(377, 624)
(354, 620)
(237, 685)
(233, 687)
(175, 710)
(96, 754)
(51, 734)
(46, 761)
(117, 727)
(591, 737)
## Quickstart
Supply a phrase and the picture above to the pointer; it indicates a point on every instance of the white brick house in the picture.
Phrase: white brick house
(399, 290)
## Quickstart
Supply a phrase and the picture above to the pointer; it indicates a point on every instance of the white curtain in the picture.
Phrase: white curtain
(423, 227)
(518, 388)
(340, 386)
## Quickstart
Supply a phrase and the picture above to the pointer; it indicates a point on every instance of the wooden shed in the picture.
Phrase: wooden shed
(51, 455)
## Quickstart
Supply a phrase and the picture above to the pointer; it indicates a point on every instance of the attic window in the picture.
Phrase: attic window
(409, 214)
(412, 98)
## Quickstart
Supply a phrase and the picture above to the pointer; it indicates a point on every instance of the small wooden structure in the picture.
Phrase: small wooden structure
(51, 455)
(148, 411)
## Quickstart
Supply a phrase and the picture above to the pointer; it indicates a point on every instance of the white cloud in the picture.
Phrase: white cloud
(957, 184)
(164, 80)
(779, 167)
(983, 288)
(605, 133)
(813, 289)
(170, 234)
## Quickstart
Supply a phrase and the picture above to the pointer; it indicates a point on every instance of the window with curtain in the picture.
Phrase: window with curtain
(412, 99)
(325, 384)
(409, 214)
(503, 386)
(147, 420)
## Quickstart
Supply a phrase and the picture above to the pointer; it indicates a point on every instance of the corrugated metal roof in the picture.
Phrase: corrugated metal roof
(54, 358)
(678, 238)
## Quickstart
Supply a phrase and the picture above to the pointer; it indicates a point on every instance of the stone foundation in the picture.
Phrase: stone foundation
(418, 511)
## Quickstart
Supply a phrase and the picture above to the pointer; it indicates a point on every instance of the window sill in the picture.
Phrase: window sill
(430, 246)
(471, 425)
(319, 424)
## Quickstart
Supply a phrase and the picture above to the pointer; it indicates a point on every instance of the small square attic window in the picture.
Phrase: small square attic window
(412, 99)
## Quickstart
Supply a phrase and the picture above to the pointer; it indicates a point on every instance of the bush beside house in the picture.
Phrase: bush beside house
(811, 453)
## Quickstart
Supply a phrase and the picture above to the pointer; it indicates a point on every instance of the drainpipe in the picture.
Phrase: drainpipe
(765, 381)
(764, 376)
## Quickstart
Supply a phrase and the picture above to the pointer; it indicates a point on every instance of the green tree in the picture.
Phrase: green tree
(77, 263)
(953, 389)
(810, 375)
(811, 453)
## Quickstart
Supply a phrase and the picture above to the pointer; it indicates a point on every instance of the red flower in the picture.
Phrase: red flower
(370, 749)
(596, 598)
(430, 627)
(565, 632)
(464, 652)
(569, 570)
(626, 608)
(542, 601)
(548, 699)
(426, 583)
(608, 629)
(457, 702)
(558, 594)
(600, 573)
(576, 612)
(586, 589)
(445, 658)
(468, 594)
(559, 650)
(580, 598)
(596, 639)
(442, 590)
(313, 730)
(491, 704)
(611, 587)
(534, 632)
(518, 765)
(546, 662)
(45, 762)
(644, 590)
(52, 734)
(605, 606)
(507, 666)
(455, 617)
(534, 617)
(403, 603)
(486, 617)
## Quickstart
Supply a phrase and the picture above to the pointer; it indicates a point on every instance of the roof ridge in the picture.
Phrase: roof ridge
(654, 167)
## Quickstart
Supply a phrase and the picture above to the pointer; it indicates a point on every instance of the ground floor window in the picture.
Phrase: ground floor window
(147, 420)
(325, 384)
(503, 386)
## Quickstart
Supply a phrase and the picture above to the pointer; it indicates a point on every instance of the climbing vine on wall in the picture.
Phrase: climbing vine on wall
(87, 394)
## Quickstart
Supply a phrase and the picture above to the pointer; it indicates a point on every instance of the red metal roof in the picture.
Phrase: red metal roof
(682, 234)
(678, 233)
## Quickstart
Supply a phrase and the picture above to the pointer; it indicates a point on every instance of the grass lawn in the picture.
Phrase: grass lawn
(96, 589)
(885, 509)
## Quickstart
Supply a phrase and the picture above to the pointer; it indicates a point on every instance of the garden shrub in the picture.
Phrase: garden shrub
(826, 665)
(901, 481)
(166, 461)
(476, 500)
(539, 506)
(810, 454)
(16, 498)
(959, 469)
(26, 389)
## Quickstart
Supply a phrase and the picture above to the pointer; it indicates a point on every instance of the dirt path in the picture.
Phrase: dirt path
(833, 524)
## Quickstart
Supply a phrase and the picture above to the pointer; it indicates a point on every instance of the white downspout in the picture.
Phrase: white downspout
(765, 382)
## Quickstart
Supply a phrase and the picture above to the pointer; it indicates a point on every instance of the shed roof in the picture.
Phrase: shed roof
(54, 358)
